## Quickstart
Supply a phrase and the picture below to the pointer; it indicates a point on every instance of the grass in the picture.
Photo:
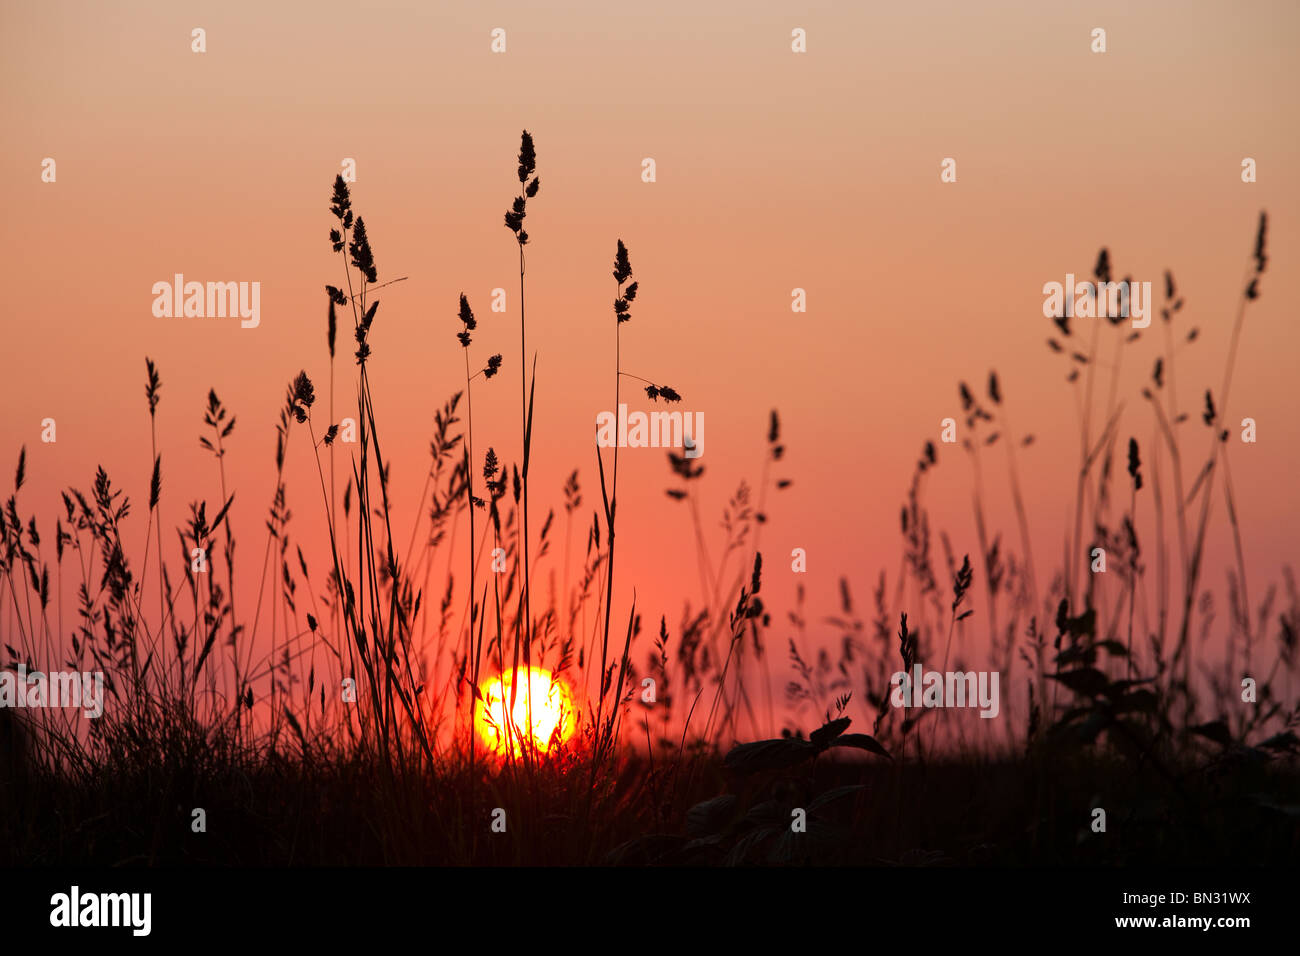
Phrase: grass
(344, 735)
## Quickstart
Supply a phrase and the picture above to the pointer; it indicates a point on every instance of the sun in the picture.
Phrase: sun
(552, 712)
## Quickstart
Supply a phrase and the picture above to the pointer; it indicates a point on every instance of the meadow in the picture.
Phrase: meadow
(427, 695)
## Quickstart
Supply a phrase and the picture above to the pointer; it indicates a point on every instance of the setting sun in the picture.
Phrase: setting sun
(552, 711)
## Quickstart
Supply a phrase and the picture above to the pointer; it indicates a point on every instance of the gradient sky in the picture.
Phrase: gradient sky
(775, 171)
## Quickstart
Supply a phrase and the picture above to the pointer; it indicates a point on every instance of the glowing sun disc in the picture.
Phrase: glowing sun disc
(551, 709)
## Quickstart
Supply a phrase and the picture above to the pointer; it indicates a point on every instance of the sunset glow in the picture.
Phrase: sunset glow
(552, 712)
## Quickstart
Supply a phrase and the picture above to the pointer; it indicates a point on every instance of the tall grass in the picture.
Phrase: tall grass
(371, 682)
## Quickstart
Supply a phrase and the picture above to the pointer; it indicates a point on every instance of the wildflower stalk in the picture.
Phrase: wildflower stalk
(624, 295)
(523, 623)
(473, 650)
(1249, 293)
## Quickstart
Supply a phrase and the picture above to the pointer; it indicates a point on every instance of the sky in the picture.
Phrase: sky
(775, 170)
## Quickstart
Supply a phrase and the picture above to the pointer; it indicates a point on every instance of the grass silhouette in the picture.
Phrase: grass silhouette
(340, 744)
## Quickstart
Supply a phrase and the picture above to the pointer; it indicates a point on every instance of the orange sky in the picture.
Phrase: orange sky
(774, 170)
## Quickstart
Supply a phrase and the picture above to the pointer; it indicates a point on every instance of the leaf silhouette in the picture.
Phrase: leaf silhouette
(862, 742)
(777, 754)
(710, 816)
(831, 796)
(1283, 741)
(823, 735)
